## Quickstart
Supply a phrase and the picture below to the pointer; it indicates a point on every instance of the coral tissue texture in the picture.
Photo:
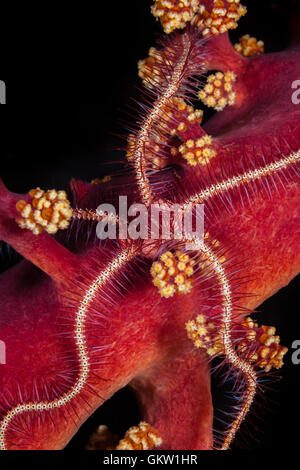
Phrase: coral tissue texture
(81, 318)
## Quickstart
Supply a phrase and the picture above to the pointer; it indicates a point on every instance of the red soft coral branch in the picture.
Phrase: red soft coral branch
(97, 322)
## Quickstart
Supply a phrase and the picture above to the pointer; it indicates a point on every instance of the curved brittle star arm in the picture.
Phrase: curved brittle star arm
(157, 112)
(231, 356)
(245, 178)
(84, 363)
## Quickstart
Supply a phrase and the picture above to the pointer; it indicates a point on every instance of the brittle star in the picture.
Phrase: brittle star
(97, 320)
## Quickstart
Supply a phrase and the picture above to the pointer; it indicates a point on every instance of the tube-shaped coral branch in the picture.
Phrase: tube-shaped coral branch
(221, 55)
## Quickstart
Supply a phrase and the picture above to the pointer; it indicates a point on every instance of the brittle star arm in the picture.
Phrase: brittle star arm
(278, 216)
(158, 112)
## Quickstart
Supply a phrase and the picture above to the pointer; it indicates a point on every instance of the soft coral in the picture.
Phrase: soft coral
(132, 334)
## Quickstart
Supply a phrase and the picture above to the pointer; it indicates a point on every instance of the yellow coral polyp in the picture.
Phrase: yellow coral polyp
(105, 179)
(149, 68)
(218, 91)
(152, 151)
(198, 151)
(268, 353)
(223, 16)
(174, 14)
(172, 272)
(249, 46)
(177, 111)
(184, 115)
(204, 335)
(183, 109)
(48, 211)
(260, 346)
(141, 437)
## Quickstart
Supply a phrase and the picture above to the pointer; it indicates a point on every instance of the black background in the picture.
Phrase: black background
(70, 72)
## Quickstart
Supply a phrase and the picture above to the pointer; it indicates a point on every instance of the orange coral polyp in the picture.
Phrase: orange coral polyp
(141, 437)
(184, 118)
(198, 151)
(172, 272)
(261, 346)
(219, 91)
(50, 211)
(204, 334)
(219, 16)
(249, 46)
(149, 68)
(174, 14)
